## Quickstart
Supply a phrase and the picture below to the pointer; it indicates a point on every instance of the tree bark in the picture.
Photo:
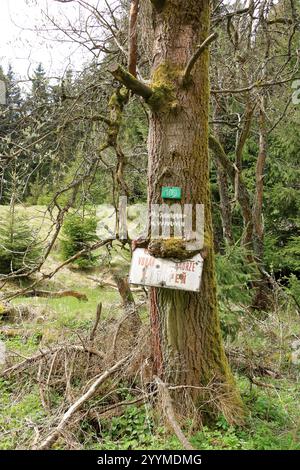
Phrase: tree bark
(242, 195)
(258, 201)
(226, 215)
(186, 335)
(262, 298)
(222, 180)
(132, 40)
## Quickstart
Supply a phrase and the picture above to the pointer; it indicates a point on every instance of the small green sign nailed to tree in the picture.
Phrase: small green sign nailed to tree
(171, 192)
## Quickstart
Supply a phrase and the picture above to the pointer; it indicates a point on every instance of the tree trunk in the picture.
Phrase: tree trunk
(258, 202)
(186, 335)
(225, 204)
(242, 194)
(222, 180)
(263, 298)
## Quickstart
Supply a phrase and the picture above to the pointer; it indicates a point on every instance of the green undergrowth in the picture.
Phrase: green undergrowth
(273, 422)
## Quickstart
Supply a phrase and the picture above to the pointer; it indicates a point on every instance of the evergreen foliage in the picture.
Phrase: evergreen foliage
(79, 233)
(20, 251)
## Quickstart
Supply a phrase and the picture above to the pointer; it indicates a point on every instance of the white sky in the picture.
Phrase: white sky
(23, 47)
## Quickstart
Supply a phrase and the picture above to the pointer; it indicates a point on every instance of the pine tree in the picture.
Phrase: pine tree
(19, 249)
(79, 233)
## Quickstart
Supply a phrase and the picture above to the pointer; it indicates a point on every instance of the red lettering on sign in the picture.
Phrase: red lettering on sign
(180, 278)
(144, 261)
(187, 266)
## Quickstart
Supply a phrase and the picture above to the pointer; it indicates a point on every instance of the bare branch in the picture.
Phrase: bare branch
(132, 47)
(97, 320)
(54, 435)
(167, 406)
(195, 57)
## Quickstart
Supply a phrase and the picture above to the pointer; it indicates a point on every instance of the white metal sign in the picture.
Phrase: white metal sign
(146, 270)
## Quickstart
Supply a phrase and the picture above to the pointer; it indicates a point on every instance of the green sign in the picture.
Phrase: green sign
(171, 192)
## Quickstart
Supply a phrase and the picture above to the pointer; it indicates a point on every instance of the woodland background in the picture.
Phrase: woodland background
(58, 179)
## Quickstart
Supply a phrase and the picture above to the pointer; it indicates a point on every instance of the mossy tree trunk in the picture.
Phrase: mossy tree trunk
(186, 336)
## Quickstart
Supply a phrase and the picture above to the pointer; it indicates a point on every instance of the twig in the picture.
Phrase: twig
(169, 412)
(51, 368)
(263, 384)
(97, 320)
(41, 354)
(54, 435)
(44, 401)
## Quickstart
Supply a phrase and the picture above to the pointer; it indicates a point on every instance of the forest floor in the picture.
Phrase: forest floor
(261, 352)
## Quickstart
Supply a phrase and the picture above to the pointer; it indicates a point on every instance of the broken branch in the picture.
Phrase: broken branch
(195, 57)
(97, 320)
(167, 406)
(132, 49)
(130, 82)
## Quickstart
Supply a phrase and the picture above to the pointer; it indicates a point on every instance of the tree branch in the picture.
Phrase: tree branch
(168, 410)
(130, 82)
(132, 47)
(195, 57)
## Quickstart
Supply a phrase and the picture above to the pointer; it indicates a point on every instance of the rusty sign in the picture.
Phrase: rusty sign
(146, 270)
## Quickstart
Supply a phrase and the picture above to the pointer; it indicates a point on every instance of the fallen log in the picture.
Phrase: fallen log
(55, 294)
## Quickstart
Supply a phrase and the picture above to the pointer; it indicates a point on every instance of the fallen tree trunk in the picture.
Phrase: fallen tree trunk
(55, 294)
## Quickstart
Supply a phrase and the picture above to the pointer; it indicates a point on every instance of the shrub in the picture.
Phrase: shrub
(234, 277)
(79, 233)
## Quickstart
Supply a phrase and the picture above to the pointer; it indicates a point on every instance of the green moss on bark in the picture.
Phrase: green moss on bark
(163, 84)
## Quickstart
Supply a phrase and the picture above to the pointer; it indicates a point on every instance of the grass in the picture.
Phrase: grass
(67, 311)
(19, 415)
(61, 319)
